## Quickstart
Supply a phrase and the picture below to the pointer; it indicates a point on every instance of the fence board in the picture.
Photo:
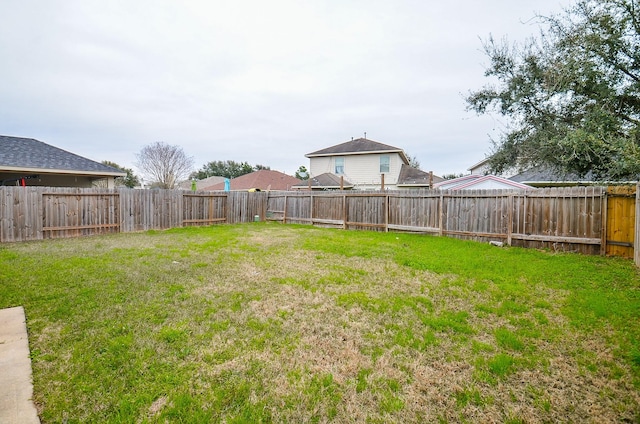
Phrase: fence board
(621, 215)
(636, 243)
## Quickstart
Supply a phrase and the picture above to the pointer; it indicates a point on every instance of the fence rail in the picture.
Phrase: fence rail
(590, 220)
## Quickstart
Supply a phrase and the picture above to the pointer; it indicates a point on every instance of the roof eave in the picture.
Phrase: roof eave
(561, 183)
(4, 168)
(368, 152)
(323, 186)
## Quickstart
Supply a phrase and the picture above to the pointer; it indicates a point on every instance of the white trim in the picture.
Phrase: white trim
(364, 152)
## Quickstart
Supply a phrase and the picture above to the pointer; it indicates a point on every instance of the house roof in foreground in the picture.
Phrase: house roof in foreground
(480, 182)
(414, 177)
(19, 154)
(359, 146)
(325, 181)
(265, 179)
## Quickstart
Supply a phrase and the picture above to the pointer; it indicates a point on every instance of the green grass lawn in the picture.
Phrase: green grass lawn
(271, 323)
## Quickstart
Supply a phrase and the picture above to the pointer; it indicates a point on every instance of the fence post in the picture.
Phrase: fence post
(636, 240)
(284, 214)
(441, 215)
(386, 213)
(344, 211)
(512, 205)
(604, 207)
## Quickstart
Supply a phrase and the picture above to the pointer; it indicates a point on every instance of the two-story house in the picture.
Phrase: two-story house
(365, 165)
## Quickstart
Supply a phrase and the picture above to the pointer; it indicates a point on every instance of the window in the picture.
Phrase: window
(384, 164)
(339, 168)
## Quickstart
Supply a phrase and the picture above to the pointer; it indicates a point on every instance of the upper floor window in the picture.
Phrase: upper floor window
(384, 163)
(339, 166)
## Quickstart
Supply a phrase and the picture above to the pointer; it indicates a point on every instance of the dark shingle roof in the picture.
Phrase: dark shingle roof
(541, 174)
(415, 177)
(28, 153)
(357, 146)
(326, 180)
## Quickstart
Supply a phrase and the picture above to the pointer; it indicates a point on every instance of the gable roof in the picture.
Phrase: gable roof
(19, 154)
(265, 179)
(480, 182)
(200, 184)
(479, 164)
(324, 181)
(359, 146)
(545, 176)
(410, 176)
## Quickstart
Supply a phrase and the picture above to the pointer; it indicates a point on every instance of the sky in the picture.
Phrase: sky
(258, 81)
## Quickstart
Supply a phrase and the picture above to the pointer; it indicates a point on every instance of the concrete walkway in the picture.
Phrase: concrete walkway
(16, 388)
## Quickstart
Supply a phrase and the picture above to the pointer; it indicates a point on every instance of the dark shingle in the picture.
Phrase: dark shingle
(360, 145)
(541, 174)
(33, 154)
(412, 176)
(326, 180)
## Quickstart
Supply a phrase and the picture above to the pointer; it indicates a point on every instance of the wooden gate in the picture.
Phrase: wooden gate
(621, 213)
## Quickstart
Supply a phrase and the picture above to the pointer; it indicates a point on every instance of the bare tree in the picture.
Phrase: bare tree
(164, 164)
(413, 161)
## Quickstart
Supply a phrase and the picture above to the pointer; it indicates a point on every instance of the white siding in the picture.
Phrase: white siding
(321, 165)
(363, 171)
(480, 170)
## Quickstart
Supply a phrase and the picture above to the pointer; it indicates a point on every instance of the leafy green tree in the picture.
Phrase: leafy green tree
(572, 95)
(227, 168)
(302, 173)
(130, 181)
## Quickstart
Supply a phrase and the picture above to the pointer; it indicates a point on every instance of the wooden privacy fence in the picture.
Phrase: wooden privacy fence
(591, 220)
(35, 213)
(570, 219)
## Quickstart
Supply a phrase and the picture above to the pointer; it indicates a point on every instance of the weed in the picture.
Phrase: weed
(468, 396)
(507, 340)
(501, 364)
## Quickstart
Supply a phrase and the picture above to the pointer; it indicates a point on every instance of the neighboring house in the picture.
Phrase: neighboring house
(540, 176)
(326, 181)
(412, 178)
(264, 179)
(201, 184)
(480, 182)
(26, 161)
(480, 168)
(364, 164)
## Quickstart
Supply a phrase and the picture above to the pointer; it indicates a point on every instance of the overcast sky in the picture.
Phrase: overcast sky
(257, 81)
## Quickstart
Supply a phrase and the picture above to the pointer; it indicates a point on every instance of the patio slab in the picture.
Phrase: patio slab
(16, 387)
